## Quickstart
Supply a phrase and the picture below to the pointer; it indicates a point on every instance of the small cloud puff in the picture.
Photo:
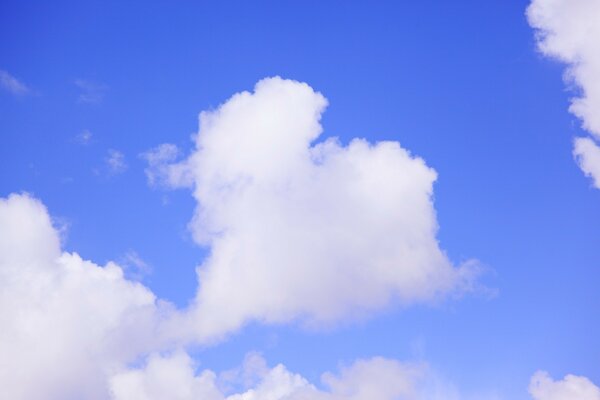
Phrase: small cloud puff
(84, 138)
(115, 161)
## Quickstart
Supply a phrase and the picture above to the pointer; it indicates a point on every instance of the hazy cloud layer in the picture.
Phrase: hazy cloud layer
(304, 229)
(569, 31)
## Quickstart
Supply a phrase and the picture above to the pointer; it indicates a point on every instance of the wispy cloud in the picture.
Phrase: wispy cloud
(91, 92)
(84, 138)
(133, 265)
(12, 84)
(160, 160)
(115, 162)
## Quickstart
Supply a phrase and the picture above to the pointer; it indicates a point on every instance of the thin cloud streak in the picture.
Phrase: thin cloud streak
(12, 84)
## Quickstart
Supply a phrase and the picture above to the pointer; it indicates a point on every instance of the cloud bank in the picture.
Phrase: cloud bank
(71, 329)
(174, 377)
(301, 228)
(569, 31)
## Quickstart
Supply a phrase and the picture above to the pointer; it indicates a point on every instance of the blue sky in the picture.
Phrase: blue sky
(460, 84)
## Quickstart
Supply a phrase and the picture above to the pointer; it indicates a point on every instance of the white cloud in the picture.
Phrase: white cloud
(12, 84)
(71, 328)
(67, 323)
(572, 387)
(90, 92)
(115, 162)
(174, 377)
(306, 230)
(569, 31)
(165, 378)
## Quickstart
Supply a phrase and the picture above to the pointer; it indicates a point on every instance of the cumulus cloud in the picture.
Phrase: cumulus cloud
(569, 31)
(572, 387)
(301, 228)
(174, 377)
(12, 84)
(67, 323)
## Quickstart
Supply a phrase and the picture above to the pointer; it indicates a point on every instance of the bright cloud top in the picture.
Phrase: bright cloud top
(300, 229)
(569, 31)
(572, 387)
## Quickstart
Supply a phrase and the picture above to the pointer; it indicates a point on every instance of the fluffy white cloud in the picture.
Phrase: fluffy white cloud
(174, 377)
(304, 229)
(568, 30)
(72, 327)
(66, 322)
(165, 378)
(572, 387)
